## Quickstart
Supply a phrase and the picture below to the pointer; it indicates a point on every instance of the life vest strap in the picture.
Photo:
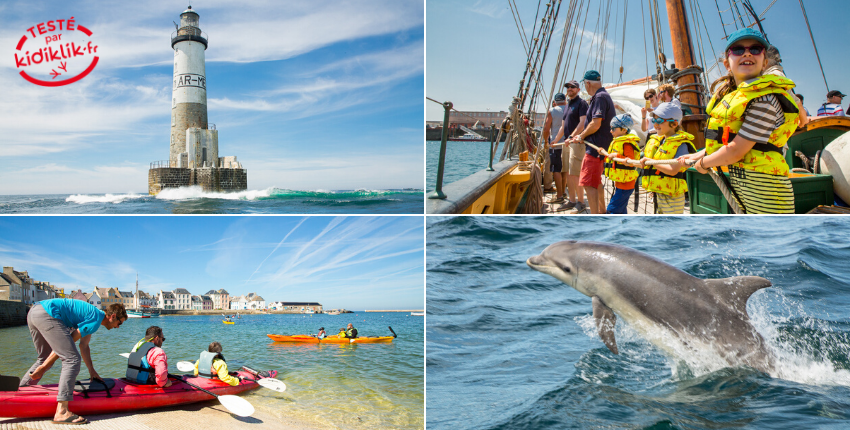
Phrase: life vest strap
(654, 172)
(715, 134)
(618, 166)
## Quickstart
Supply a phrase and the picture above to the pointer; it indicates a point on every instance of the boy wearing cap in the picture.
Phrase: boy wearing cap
(624, 145)
(751, 117)
(667, 181)
(832, 107)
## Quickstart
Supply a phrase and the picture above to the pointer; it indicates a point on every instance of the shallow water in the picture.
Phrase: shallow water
(193, 200)
(358, 386)
(509, 347)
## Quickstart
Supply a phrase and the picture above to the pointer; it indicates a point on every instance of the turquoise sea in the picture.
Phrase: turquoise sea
(193, 200)
(462, 160)
(512, 348)
(354, 386)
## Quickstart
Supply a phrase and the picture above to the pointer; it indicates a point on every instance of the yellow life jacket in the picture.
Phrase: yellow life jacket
(659, 182)
(729, 112)
(652, 143)
(622, 172)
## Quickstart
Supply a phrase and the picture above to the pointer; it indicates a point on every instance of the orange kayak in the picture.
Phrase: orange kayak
(330, 339)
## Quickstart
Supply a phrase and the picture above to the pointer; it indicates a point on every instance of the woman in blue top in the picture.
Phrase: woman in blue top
(55, 326)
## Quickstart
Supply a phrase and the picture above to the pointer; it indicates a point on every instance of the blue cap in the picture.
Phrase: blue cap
(668, 111)
(592, 75)
(560, 97)
(746, 33)
(622, 121)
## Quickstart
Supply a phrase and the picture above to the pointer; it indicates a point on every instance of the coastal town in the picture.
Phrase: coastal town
(18, 286)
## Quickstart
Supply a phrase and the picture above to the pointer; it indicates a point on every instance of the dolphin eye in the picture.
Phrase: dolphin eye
(565, 269)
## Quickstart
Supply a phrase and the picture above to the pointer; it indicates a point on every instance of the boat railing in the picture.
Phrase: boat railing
(438, 188)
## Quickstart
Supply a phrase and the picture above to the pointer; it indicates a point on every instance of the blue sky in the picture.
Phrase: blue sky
(355, 263)
(475, 57)
(308, 95)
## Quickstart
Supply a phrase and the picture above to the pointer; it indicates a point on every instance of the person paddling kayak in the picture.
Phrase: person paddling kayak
(55, 326)
(148, 363)
(351, 332)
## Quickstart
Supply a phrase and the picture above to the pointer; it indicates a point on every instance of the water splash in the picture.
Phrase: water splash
(196, 192)
(108, 198)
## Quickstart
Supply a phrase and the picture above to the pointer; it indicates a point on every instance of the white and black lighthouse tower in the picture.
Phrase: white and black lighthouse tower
(189, 91)
(193, 153)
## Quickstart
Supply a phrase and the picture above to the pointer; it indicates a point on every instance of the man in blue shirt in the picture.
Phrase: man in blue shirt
(56, 325)
(597, 131)
(574, 151)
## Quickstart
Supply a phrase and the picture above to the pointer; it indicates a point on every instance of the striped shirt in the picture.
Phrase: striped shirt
(762, 117)
(830, 109)
(760, 193)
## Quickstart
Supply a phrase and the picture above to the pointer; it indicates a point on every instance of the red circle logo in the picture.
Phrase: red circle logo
(54, 57)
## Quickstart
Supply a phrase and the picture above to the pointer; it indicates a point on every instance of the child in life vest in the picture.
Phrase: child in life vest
(624, 145)
(215, 366)
(667, 181)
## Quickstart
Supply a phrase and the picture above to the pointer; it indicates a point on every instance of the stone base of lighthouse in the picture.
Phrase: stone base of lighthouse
(208, 178)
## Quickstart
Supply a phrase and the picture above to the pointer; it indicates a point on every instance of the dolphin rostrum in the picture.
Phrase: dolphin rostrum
(679, 313)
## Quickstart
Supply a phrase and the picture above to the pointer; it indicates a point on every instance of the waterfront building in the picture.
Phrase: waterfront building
(220, 298)
(314, 307)
(166, 300)
(146, 300)
(207, 302)
(183, 299)
(107, 296)
(127, 299)
(10, 288)
(78, 295)
(197, 303)
(94, 299)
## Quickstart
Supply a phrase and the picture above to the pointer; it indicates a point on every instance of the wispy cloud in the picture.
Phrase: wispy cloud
(489, 8)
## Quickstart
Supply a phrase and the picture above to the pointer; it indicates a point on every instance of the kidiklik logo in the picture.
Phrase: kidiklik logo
(67, 48)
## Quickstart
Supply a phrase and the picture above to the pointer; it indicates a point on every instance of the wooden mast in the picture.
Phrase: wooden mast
(683, 54)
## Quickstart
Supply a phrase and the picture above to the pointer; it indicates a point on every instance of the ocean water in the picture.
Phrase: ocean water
(193, 200)
(462, 160)
(354, 386)
(512, 348)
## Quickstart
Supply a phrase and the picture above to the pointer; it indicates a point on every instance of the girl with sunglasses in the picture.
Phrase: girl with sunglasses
(751, 117)
(667, 181)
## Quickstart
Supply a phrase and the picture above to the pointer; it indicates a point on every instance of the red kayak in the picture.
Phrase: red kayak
(40, 400)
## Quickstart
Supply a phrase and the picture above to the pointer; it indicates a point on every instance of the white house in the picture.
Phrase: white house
(94, 299)
(197, 303)
(183, 299)
(166, 300)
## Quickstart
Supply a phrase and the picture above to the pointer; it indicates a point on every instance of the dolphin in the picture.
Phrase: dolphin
(681, 314)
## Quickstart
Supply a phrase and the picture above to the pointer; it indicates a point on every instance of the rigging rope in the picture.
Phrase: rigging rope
(813, 44)
(645, 53)
(623, 47)
(722, 25)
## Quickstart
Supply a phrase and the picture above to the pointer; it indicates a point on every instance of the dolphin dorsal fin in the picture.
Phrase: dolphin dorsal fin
(605, 321)
(737, 289)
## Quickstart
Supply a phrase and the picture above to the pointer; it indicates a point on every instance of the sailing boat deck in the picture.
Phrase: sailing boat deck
(644, 206)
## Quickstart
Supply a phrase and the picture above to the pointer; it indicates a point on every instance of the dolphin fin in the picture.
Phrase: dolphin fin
(605, 321)
(737, 289)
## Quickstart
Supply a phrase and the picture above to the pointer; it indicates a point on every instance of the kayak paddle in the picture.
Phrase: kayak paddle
(391, 330)
(270, 383)
(235, 404)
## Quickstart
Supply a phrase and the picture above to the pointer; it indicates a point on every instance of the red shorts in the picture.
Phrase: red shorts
(591, 172)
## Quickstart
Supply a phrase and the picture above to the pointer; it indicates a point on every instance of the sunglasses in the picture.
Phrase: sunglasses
(660, 120)
(650, 97)
(739, 50)
(571, 86)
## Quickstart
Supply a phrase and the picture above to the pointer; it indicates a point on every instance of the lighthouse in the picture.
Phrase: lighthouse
(193, 152)
(189, 90)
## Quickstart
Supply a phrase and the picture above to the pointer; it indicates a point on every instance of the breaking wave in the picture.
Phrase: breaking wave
(108, 198)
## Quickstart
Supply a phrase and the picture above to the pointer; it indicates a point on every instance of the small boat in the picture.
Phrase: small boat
(469, 137)
(40, 400)
(309, 338)
(228, 322)
(417, 314)
(143, 313)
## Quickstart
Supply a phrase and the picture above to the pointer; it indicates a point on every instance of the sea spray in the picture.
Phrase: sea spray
(108, 198)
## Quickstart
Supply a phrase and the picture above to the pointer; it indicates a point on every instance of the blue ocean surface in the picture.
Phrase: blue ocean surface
(512, 348)
(345, 386)
(462, 160)
(193, 200)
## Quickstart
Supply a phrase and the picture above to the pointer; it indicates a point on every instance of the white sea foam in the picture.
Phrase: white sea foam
(802, 360)
(188, 193)
(108, 198)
